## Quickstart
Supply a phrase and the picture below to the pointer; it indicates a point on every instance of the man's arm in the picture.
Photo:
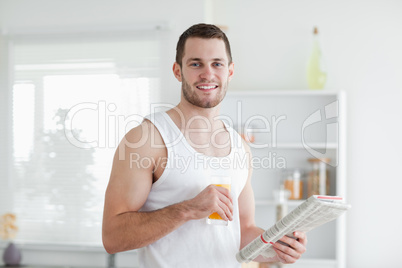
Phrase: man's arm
(124, 226)
(249, 231)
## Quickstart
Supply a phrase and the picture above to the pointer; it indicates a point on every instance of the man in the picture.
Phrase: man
(158, 196)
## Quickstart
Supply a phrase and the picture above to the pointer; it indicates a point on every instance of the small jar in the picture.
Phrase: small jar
(294, 184)
(318, 179)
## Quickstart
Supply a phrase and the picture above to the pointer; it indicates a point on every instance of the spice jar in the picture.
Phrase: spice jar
(318, 179)
(294, 184)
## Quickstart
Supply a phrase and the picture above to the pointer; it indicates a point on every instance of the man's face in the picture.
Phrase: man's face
(205, 72)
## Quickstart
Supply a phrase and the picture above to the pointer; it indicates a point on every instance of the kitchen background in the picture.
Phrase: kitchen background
(271, 42)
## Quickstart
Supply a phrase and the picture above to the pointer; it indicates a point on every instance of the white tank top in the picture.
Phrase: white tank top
(195, 243)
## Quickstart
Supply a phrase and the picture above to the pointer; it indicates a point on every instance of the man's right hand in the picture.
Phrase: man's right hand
(211, 199)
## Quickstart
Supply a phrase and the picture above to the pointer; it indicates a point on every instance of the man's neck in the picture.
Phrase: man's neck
(187, 115)
(202, 128)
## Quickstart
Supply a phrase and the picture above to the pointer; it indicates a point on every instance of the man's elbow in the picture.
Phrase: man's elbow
(108, 244)
(109, 249)
(111, 241)
(113, 244)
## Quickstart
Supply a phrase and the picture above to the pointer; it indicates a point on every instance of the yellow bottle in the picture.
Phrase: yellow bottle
(316, 76)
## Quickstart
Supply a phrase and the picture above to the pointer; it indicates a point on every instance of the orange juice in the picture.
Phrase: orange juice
(215, 215)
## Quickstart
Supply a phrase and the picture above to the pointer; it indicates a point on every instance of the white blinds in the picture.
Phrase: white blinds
(61, 165)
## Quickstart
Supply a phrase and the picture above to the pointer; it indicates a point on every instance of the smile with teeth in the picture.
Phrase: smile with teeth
(206, 87)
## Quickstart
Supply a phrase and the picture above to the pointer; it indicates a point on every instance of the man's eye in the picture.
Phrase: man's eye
(217, 64)
(195, 64)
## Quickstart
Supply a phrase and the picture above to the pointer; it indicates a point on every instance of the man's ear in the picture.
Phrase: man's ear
(231, 71)
(177, 71)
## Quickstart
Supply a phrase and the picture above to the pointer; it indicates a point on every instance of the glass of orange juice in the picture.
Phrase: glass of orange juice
(220, 181)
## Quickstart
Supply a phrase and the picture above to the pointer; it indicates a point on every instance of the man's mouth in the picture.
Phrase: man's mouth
(207, 88)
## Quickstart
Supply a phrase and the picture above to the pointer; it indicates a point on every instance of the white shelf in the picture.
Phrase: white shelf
(297, 145)
(295, 131)
(307, 263)
(315, 263)
(284, 93)
(291, 203)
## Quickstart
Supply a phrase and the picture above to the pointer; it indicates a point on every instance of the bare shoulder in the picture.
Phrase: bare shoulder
(133, 169)
(247, 149)
(141, 141)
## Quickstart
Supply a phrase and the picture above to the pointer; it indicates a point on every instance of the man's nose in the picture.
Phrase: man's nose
(207, 73)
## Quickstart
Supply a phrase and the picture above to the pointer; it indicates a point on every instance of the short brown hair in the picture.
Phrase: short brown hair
(201, 30)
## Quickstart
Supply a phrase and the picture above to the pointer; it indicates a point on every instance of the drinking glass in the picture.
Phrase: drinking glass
(220, 181)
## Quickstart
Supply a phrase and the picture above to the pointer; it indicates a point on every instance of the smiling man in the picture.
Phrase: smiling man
(162, 207)
(204, 67)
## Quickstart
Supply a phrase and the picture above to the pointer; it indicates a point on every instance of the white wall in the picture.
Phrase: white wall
(362, 43)
(49, 16)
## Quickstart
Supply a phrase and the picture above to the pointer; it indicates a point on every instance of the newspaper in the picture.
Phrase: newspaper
(315, 211)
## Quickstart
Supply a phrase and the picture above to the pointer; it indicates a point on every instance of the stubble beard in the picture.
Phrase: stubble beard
(195, 100)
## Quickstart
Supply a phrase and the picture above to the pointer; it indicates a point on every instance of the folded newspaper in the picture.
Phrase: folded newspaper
(315, 211)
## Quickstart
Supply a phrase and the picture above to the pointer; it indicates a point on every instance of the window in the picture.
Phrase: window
(73, 101)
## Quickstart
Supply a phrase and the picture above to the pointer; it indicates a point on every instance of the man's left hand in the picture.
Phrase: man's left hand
(291, 252)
